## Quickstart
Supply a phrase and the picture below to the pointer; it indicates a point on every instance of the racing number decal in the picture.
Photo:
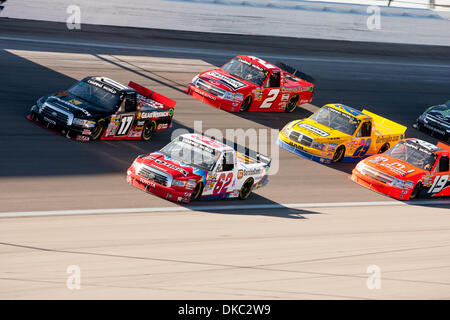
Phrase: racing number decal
(364, 146)
(221, 185)
(124, 126)
(271, 97)
(438, 184)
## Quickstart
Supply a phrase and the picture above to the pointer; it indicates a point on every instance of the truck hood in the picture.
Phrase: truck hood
(317, 131)
(177, 169)
(442, 112)
(78, 107)
(389, 167)
(225, 81)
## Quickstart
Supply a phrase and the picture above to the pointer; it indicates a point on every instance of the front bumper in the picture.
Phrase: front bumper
(158, 189)
(380, 187)
(215, 101)
(70, 132)
(306, 152)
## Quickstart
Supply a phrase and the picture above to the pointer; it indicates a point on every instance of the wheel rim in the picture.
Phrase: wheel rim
(246, 189)
(415, 191)
(148, 131)
(196, 192)
(292, 104)
(246, 104)
(338, 155)
(97, 131)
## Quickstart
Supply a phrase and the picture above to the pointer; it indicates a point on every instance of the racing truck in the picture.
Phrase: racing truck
(436, 121)
(337, 132)
(101, 108)
(410, 169)
(193, 166)
(248, 83)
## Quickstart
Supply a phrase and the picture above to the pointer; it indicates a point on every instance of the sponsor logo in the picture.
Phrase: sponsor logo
(102, 86)
(235, 84)
(285, 97)
(240, 174)
(50, 120)
(155, 114)
(148, 183)
(382, 139)
(314, 129)
(169, 165)
(82, 138)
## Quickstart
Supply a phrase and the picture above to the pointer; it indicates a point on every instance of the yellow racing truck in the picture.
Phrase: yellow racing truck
(337, 132)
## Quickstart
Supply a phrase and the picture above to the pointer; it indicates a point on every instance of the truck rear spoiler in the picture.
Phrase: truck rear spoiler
(379, 120)
(295, 72)
(152, 95)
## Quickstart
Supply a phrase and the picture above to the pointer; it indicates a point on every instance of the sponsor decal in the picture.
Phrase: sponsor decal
(169, 165)
(252, 172)
(155, 114)
(148, 183)
(74, 106)
(314, 129)
(332, 147)
(384, 139)
(285, 97)
(240, 174)
(82, 138)
(86, 131)
(50, 120)
(204, 93)
(103, 86)
(233, 83)
(74, 101)
(162, 126)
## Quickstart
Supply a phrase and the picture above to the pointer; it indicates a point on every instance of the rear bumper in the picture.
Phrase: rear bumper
(157, 189)
(212, 100)
(380, 187)
(69, 132)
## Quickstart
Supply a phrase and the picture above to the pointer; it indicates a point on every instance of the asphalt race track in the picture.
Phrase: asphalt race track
(311, 233)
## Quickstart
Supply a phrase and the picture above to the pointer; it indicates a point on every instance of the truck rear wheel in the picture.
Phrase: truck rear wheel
(385, 147)
(292, 104)
(246, 189)
(148, 130)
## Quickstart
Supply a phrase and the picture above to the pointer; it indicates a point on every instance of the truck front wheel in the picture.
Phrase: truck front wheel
(246, 189)
(197, 192)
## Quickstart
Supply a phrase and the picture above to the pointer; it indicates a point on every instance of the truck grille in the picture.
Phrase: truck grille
(436, 122)
(301, 138)
(56, 114)
(377, 175)
(153, 175)
(205, 86)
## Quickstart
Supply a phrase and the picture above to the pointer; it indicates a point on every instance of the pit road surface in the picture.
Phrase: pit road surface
(314, 252)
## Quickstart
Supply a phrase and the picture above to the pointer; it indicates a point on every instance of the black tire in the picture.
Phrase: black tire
(197, 192)
(148, 130)
(292, 104)
(415, 193)
(246, 189)
(339, 154)
(385, 147)
(245, 105)
(98, 130)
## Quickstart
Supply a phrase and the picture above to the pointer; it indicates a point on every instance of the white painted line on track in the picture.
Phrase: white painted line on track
(221, 53)
(222, 208)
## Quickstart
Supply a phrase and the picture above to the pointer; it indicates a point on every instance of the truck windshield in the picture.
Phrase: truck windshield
(192, 152)
(413, 154)
(97, 96)
(336, 120)
(246, 71)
